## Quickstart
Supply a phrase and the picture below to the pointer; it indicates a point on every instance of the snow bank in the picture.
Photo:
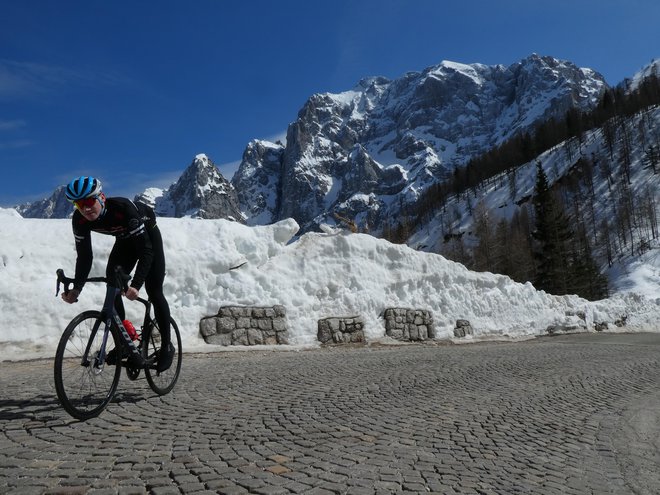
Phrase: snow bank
(212, 263)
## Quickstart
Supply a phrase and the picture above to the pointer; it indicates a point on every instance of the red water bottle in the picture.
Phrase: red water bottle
(132, 333)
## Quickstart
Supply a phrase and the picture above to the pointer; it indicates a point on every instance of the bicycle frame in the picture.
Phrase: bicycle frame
(111, 317)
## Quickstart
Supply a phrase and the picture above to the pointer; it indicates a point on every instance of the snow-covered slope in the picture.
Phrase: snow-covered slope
(509, 193)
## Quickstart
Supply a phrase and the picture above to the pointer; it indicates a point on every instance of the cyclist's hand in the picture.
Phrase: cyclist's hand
(71, 296)
(132, 294)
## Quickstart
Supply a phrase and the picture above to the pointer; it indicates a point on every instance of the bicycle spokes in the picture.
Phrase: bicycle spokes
(84, 382)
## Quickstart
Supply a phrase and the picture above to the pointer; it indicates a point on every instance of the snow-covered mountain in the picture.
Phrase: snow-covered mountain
(55, 206)
(651, 69)
(258, 185)
(365, 152)
(200, 192)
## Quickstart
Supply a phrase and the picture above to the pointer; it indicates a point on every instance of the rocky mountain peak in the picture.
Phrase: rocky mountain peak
(55, 206)
(200, 192)
(415, 130)
(257, 184)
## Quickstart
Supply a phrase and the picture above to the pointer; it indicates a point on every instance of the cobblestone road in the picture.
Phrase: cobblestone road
(572, 415)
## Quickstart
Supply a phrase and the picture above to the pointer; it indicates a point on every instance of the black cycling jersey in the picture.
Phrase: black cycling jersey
(126, 221)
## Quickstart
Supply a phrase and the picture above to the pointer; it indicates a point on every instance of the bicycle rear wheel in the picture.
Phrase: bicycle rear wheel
(162, 382)
(85, 389)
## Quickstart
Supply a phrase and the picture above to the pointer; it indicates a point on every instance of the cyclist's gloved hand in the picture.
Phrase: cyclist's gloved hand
(71, 296)
(131, 294)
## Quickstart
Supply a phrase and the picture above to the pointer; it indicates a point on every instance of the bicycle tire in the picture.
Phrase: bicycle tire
(85, 391)
(163, 382)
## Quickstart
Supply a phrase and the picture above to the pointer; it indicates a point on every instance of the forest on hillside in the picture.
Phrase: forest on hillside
(555, 239)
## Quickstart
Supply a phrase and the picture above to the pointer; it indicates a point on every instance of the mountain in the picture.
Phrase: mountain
(605, 178)
(258, 184)
(200, 192)
(370, 152)
(652, 69)
(367, 152)
(56, 206)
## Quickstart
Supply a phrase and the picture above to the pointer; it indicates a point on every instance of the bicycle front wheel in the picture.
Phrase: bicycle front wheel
(85, 386)
(162, 382)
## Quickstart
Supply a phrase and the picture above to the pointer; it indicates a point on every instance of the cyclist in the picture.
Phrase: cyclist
(138, 242)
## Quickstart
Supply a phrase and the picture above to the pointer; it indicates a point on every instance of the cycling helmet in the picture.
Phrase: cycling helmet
(83, 187)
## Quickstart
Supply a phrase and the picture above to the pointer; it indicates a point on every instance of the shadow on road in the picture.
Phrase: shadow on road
(28, 408)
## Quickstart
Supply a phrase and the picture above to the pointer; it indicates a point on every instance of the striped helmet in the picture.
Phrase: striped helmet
(83, 187)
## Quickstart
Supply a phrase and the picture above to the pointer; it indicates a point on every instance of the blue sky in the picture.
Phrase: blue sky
(131, 91)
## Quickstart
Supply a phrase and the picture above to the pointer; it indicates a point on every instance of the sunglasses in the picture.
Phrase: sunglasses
(85, 202)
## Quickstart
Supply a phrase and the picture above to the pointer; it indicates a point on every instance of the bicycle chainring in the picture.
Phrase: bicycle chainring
(132, 373)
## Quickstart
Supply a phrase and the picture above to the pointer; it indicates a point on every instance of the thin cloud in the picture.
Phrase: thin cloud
(11, 125)
(129, 185)
(12, 145)
(281, 137)
(23, 79)
(229, 169)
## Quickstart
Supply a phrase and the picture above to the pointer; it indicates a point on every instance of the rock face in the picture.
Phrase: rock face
(57, 206)
(200, 192)
(258, 186)
(366, 152)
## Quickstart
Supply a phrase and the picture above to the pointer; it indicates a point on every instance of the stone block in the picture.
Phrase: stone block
(239, 337)
(219, 339)
(265, 324)
(238, 311)
(207, 326)
(323, 333)
(225, 324)
(255, 337)
(242, 322)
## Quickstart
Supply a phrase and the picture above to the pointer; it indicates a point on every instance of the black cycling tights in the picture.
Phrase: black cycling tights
(153, 283)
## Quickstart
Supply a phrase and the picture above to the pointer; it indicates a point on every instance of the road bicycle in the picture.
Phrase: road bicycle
(87, 370)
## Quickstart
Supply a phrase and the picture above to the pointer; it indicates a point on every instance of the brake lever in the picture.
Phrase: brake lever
(61, 279)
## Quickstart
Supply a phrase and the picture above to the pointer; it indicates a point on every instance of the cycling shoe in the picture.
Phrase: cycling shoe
(114, 356)
(165, 358)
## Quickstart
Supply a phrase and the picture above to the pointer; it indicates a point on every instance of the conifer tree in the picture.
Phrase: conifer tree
(552, 235)
(586, 280)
